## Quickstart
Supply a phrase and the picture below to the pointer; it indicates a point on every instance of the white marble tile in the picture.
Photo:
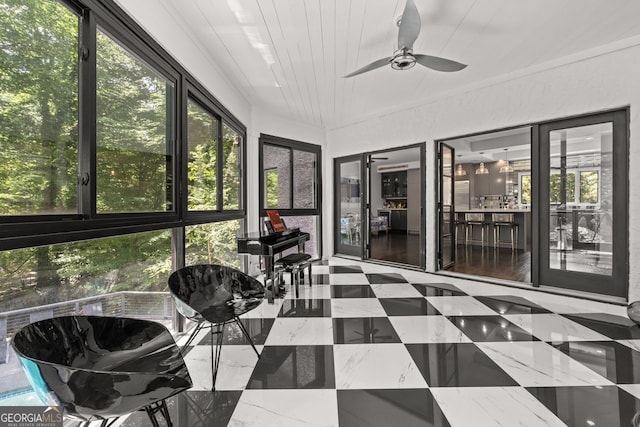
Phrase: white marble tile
(266, 310)
(553, 327)
(493, 407)
(286, 408)
(320, 269)
(236, 366)
(633, 389)
(427, 329)
(363, 366)
(309, 292)
(301, 331)
(634, 344)
(395, 290)
(357, 307)
(537, 364)
(348, 279)
(460, 306)
(568, 305)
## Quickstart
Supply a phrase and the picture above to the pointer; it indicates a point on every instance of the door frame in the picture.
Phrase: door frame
(617, 283)
(338, 248)
(365, 201)
(440, 208)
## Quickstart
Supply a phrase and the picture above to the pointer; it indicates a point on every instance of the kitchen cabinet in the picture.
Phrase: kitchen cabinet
(394, 184)
(399, 220)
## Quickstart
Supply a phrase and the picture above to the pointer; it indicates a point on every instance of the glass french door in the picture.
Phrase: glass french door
(583, 203)
(349, 193)
(446, 208)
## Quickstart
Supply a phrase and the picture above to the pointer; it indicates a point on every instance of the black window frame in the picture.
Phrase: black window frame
(21, 231)
(291, 145)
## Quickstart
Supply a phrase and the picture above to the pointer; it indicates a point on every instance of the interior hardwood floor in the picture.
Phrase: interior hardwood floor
(499, 263)
(396, 247)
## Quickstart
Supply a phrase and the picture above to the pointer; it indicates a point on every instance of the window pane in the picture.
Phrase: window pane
(304, 181)
(525, 189)
(555, 192)
(134, 131)
(271, 180)
(38, 108)
(278, 161)
(99, 277)
(213, 243)
(231, 178)
(589, 187)
(202, 135)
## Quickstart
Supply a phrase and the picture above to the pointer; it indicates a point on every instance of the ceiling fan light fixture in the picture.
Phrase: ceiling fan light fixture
(403, 59)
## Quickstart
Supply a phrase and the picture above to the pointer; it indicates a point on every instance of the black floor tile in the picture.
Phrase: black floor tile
(305, 308)
(407, 307)
(292, 367)
(345, 269)
(490, 328)
(352, 291)
(365, 330)
(614, 361)
(320, 279)
(405, 407)
(258, 330)
(614, 327)
(438, 289)
(193, 409)
(508, 304)
(597, 406)
(457, 365)
(379, 278)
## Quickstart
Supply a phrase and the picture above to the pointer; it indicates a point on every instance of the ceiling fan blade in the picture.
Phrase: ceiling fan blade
(375, 64)
(439, 64)
(409, 26)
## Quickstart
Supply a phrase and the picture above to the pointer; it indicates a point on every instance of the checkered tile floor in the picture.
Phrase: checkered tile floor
(368, 345)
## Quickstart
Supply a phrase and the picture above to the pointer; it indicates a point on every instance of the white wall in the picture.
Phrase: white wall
(608, 80)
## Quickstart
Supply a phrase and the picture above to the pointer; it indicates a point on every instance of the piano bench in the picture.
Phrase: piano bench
(294, 264)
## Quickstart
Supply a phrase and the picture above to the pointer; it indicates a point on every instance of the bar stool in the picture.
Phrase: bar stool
(504, 220)
(475, 219)
(294, 264)
(459, 222)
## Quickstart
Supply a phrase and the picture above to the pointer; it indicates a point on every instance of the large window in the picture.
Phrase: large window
(135, 129)
(202, 140)
(290, 182)
(38, 108)
(95, 208)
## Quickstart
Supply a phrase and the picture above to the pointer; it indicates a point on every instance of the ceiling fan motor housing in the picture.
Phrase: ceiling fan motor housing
(403, 59)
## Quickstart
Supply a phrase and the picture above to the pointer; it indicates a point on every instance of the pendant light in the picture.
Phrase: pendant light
(506, 168)
(459, 170)
(482, 170)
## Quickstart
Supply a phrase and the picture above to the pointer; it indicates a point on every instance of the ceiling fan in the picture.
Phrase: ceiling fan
(404, 58)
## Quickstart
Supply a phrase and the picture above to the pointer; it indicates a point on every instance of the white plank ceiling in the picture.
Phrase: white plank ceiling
(290, 56)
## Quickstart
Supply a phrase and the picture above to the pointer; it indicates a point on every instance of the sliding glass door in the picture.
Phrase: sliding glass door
(583, 203)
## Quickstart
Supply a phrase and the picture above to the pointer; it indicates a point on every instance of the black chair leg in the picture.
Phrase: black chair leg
(215, 361)
(158, 407)
(197, 329)
(246, 335)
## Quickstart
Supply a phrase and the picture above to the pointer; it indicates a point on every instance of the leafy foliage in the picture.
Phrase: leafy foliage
(39, 160)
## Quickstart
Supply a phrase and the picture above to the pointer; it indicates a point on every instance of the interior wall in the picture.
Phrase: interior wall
(606, 81)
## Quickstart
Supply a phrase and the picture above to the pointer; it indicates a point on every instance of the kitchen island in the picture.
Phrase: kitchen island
(522, 217)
